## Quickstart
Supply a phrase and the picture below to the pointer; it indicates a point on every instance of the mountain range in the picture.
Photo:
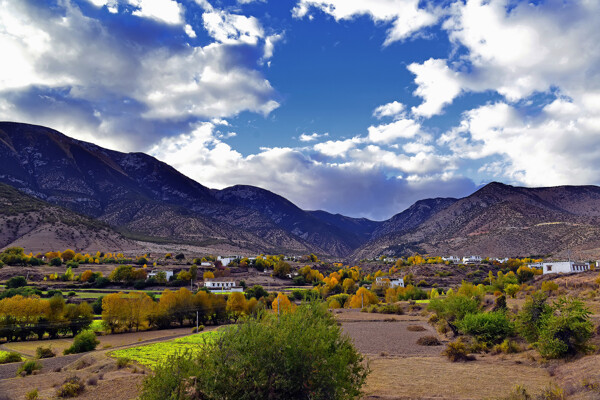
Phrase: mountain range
(132, 198)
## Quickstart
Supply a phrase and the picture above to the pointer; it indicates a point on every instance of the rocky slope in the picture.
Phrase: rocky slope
(502, 220)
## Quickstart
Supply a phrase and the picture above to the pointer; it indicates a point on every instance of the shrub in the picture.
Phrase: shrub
(549, 286)
(92, 380)
(566, 331)
(71, 387)
(101, 282)
(200, 329)
(507, 347)
(491, 327)
(84, 341)
(457, 351)
(298, 355)
(428, 341)
(28, 367)
(32, 395)
(391, 309)
(72, 294)
(415, 328)
(56, 262)
(10, 357)
(44, 352)
(530, 318)
(122, 362)
(16, 282)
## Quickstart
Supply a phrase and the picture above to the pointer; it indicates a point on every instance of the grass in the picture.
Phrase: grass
(3, 355)
(422, 301)
(97, 325)
(152, 354)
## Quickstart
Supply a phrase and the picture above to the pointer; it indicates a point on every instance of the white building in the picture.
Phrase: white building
(501, 260)
(393, 282)
(220, 285)
(538, 265)
(225, 261)
(452, 259)
(471, 260)
(206, 264)
(565, 267)
(169, 274)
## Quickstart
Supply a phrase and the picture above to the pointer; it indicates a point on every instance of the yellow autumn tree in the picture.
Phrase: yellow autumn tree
(363, 298)
(236, 304)
(282, 301)
(208, 275)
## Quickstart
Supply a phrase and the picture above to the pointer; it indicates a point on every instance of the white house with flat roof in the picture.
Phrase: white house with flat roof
(452, 259)
(168, 274)
(471, 260)
(565, 267)
(220, 285)
(391, 282)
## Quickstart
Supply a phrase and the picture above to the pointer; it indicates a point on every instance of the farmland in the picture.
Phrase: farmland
(152, 354)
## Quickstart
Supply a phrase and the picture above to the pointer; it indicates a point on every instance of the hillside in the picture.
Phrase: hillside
(148, 199)
(38, 226)
(501, 220)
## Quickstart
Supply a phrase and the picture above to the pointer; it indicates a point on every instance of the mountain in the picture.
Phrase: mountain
(147, 199)
(39, 226)
(501, 220)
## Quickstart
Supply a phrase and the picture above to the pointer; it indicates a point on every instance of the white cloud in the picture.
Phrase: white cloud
(389, 133)
(437, 84)
(354, 187)
(167, 11)
(406, 16)
(336, 148)
(393, 109)
(312, 137)
(233, 28)
(559, 146)
(190, 31)
(63, 62)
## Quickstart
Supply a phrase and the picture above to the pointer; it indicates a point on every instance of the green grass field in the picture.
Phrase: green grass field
(155, 353)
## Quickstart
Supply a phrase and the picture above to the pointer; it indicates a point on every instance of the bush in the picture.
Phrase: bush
(391, 309)
(44, 352)
(491, 327)
(530, 318)
(566, 331)
(92, 380)
(507, 347)
(71, 387)
(549, 286)
(415, 328)
(56, 262)
(16, 282)
(200, 329)
(32, 395)
(457, 351)
(28, 367)
(302, 354)
(10, 357)
(84, 341)
(122, 362)
(72, 294)
(428, 341)
(101, 282)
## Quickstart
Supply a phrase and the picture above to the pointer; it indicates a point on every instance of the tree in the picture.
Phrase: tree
(282, 304)
(67, 255)
(301, 355)
(208, 275)
(281, 269)
(56, 262)
(180, 256)
(85, 341)
(362, 298)
(16, 282)
(236, 304)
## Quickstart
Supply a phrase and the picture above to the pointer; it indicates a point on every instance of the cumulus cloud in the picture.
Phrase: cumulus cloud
(233, 28)
(405, 16)
(336, 148)
(389, 133)
(166, 11)
(437, 84)
(126, 90)
(393, 109)
(360, 187)
(305, 137)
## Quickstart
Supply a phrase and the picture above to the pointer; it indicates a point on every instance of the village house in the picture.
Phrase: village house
(452, 259)
(206, 264)
(220, 285)
(225, 261)
(471, 260)
(391, 282)
(564, 267)
(168, 274)
(501, 260)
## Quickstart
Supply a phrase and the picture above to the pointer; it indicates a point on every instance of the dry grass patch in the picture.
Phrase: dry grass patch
(436, 377)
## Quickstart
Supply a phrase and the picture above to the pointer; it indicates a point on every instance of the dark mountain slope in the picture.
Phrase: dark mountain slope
(502, 220)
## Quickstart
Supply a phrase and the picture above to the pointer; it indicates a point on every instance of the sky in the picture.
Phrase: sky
(359, 107)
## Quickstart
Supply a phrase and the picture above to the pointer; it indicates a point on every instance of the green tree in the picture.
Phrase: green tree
(300, 355)
(16, 282)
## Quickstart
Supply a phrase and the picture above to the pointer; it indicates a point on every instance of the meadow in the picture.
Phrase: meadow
(153, 354)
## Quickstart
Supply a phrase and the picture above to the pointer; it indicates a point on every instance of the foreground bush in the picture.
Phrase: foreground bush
(428, 341)
(44, 352)
(28, 367)
(9, 357)
(85, 341)
(298, 355)
(457, 351)
(71, 387)
(491, 327)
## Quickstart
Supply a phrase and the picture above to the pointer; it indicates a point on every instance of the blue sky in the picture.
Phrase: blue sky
(353, 106)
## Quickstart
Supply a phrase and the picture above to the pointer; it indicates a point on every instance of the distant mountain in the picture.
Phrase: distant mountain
(38, 226)
(147, 199)
(501, 220)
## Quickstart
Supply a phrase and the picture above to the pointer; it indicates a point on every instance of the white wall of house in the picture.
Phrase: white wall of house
(564, 267)
(471, 260)
(394, 282)
(169, 274)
